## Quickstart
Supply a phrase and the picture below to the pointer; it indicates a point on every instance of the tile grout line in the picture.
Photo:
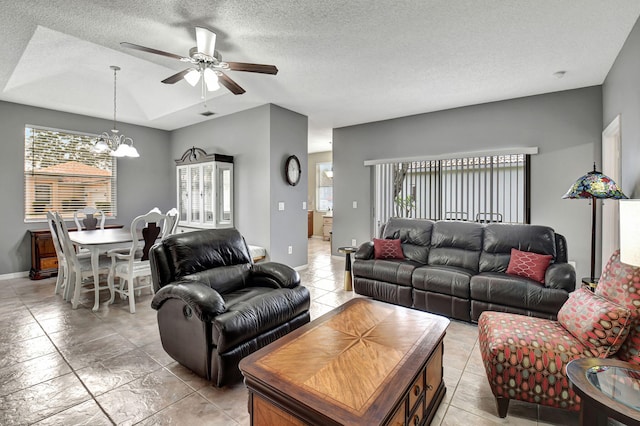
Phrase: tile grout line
(73, 370)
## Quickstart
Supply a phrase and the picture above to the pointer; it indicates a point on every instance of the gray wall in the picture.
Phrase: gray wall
(260, 139)
(288, 227)
(245, 135)
(143, 183)
(621, 95)
(565, 126)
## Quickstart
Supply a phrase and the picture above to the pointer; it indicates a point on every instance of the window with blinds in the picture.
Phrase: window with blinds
(481, 189)
(62, 174)
(324, 187)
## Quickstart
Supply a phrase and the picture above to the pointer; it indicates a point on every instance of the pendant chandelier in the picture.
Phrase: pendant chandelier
(115, 143)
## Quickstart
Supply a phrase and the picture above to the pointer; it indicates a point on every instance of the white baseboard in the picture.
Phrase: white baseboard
(301, 267)
(23, 274)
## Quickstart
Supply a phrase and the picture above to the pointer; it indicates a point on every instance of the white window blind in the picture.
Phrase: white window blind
(491, 188)
(62, 174)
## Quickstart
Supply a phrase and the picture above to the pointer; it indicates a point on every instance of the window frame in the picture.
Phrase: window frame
(321, 168)
(461, 186)
(97, 190)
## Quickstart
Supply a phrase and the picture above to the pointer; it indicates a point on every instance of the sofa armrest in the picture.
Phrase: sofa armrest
(202, 299)
(365, 251)
(561, 276)
(274, 274)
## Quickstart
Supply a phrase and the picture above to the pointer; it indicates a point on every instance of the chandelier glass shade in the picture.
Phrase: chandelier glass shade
(116, 144)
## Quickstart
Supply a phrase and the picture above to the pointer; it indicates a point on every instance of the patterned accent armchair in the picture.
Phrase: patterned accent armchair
(525, 358)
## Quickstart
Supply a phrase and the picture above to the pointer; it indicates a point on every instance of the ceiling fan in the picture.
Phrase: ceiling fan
(207, 63)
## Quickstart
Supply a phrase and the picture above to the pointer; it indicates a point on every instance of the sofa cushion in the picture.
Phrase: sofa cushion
(511, 290)
(387, 249)
(393, 271)
(529, 265)
(598, 323)
(456, 244)
(500, 238)
(448, 280)
(414, 234)
(620, 283)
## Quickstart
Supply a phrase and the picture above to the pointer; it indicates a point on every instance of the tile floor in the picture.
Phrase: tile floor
(60, 366)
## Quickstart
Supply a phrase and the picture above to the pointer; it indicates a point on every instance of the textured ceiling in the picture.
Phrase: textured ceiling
(341, 62)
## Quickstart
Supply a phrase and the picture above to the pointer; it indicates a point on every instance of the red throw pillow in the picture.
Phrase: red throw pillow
(529, 265)
(387, 249)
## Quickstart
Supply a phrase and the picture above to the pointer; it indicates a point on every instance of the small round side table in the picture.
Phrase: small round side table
(347, 265)
(608, 388)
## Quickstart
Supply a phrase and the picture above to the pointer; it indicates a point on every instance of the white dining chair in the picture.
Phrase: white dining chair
(133, 265)
(63, 273)
(89, 218)
(171, 224)
(80, 269)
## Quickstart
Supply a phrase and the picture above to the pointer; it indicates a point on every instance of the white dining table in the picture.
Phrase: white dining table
(97, 240)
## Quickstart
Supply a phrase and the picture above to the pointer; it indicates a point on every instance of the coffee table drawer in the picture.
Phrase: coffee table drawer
(399, 415)
(434, 375)
(416, 417)
(416, 390)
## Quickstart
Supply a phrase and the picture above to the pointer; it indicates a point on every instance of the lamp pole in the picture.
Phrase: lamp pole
(593, 239)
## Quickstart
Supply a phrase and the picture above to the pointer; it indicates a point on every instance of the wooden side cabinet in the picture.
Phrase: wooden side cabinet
(309, 223)
(44, 262)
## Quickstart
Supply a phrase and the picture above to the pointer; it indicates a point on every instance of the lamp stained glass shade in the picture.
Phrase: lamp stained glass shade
(595, 185)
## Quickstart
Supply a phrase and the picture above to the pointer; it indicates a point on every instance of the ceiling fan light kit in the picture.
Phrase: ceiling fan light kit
(116, 144)
(206, 63)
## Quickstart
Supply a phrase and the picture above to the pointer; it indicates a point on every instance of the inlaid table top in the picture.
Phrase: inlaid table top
(346, 363)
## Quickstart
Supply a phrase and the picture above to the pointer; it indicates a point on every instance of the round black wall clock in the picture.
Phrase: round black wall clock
(292, 170)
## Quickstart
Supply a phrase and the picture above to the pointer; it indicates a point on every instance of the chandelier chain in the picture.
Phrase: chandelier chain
(115, 71)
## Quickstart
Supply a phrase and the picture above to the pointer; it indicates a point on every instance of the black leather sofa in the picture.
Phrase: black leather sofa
(458, 269)
(215, 306)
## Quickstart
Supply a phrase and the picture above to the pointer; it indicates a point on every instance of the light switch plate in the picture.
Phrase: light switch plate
(304, 205)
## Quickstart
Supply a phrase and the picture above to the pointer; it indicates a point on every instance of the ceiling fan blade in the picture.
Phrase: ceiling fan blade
(205, 41)
(156, 51)
(176, 77)
(242, 66)
(230, 84)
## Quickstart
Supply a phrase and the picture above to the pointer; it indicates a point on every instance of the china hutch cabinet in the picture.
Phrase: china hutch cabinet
(204, 189)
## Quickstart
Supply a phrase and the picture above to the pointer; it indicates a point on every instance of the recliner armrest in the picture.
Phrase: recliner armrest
(274, 274)
(561, 276)
(203, 300)
(365, 251)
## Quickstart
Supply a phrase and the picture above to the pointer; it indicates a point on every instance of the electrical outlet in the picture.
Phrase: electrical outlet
(281, 205)
(290, 249)
(353, 242)
(355, 204)
(304, 205)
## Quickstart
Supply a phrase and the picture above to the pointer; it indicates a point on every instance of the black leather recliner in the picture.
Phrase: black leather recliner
(215, 306)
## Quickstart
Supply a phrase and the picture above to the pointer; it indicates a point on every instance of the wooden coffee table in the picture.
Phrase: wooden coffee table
(365, 362)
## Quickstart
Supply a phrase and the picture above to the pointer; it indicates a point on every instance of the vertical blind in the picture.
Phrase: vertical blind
(61, 173)
(489, 188)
